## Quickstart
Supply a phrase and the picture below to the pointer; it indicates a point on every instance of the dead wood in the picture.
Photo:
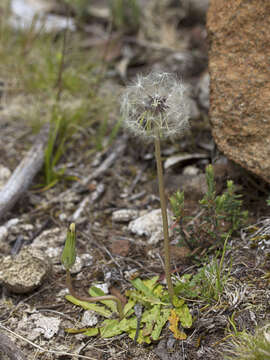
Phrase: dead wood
(23, 175)
(7, 348)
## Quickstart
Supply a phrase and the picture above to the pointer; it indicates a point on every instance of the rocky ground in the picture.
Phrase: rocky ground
(113, 199)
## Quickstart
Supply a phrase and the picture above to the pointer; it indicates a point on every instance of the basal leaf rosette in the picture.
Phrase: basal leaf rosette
(156, 105)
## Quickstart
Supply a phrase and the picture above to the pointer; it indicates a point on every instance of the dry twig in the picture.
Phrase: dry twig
(23, 175)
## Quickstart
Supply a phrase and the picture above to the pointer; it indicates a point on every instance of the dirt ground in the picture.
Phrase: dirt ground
(43, 217)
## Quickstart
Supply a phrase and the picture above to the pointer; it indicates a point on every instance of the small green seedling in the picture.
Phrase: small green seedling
(219, 215)
(68, 257)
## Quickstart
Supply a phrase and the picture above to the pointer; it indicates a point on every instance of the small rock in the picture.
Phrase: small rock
(124, 215)
(150, 225)
(191, 170)
(89, 318)
(120, 247)
(25, 272)
(62, 293)
(81, 262)
(63, 217)
(46, 325)
(77, 267)
(5, 174)
(103, 286)
(87, 259)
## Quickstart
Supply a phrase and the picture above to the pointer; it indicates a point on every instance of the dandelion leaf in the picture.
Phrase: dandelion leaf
(174, 320)
(91, 332)
(95, 291)
(184, 316)
(90, 306)
(160, 322)
(129, 308)
(141, 339)
(110, 328)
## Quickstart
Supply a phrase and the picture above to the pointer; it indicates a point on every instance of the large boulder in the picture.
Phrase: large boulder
(239, 66)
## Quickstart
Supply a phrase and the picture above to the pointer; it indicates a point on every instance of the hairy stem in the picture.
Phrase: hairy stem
(93, 298)
(164, 218)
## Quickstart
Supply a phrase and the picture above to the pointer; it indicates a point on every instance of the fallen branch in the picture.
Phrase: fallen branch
(9, 349)
(23, 175)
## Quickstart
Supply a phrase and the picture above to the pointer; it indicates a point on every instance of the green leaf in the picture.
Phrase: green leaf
(90, 306)
(91, 332)
(147, 288)
(69, 253)
(139, 285)
(159, 291)
(141, 339)
(178, 302)
(110, 328)
(95, 291)
(128, 309)
(128, 324)
(139, 297)
(151, 283)
(148, 328)
(151, 314)
(184, 316)
(160, 322)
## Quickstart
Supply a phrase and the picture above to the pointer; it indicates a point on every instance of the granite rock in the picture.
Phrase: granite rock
(239, 53)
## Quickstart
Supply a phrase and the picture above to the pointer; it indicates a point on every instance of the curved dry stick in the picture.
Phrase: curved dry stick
(23, 175)
(93, 299)
(8, 348)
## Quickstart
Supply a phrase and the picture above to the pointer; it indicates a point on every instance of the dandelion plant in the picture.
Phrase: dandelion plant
(156, 107)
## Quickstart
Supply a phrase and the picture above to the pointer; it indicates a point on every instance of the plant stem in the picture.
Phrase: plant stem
(94, 298)
(164, 217)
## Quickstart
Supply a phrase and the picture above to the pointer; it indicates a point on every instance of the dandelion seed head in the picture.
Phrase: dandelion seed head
(156, 105)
